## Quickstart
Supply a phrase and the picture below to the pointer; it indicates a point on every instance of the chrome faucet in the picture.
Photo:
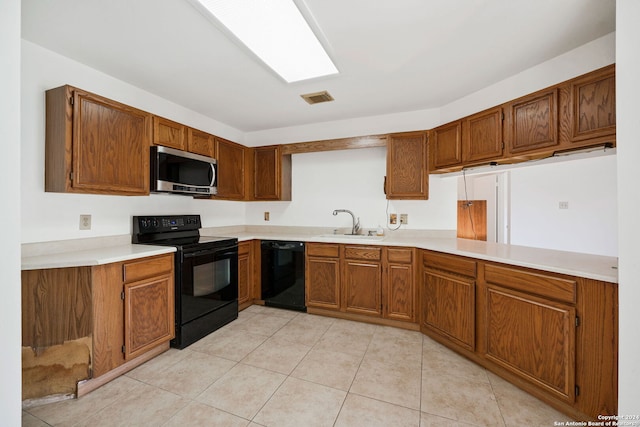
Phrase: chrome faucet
(356, 224)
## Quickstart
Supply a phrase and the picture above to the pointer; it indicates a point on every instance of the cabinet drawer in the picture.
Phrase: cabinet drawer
(323, 250)
(450, 263)
(147, 267)
(363, 252)
(403, 255)
(532, 283)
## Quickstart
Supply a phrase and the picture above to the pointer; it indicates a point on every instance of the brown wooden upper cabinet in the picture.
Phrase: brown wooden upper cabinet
(271, 174)
(482, 136)
(445, 146)
(407, 175)
(472, 140)
(199, 142)
(95, 145)
(573, 114)
(169, 133)
(532, 122)
(232, 163)
(593, 107)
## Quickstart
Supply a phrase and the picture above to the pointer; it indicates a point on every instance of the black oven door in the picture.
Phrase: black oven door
(209, 281)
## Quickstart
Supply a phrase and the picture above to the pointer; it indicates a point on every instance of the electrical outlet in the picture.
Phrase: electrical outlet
(404, 219)
(266, 216)
(393, 219)
(85, 222)
(563, 205)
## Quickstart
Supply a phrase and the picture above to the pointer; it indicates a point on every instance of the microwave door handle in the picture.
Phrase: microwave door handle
(212, 173)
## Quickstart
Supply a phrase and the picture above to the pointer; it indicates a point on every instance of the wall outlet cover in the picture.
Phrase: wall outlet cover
(404, 219)
(393, 218)
(266, 216)
(85, 222)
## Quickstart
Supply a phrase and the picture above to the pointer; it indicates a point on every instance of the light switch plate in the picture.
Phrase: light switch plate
(393, 219)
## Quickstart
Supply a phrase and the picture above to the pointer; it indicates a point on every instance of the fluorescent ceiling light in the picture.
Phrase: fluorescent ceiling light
(277, 33)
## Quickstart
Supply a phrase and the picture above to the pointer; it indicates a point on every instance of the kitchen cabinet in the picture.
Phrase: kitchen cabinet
(593, 107)
(148, 304)
(133, 306)
(362, 280)
(407, 176)
(575, 114)
(95, 145)
(398, 283)
(322, 275)
(448, 298)
(528, 327)
(245, 274)
(445, 148)
(169, 133)
(199, 142)
(232, 167)
(532, 122)
(271, 174)
(482, 136)
(91, 324)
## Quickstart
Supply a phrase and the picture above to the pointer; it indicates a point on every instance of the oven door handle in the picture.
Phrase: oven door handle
(219, 252)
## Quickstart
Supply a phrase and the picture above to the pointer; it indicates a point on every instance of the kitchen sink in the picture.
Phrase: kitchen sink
(350, 237)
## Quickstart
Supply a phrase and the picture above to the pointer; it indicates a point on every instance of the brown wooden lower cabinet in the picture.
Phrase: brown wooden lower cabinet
(553, 335)
(322, 276)
(373, 282)
(95, 319)
(245, 274)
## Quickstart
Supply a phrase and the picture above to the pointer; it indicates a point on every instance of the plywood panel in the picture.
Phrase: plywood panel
(472, 219)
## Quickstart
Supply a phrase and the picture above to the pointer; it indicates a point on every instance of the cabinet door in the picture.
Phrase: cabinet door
(168, 133)
(407, 176)
(362, 287)
(446, 146)
(322, 282)
(399, 292)
(266, 184)
(531, 337)
(199, 142)
(244, 272)
(448, 304)
(593, 112)
(231, 170)
(482, 136)
(534, 122)
(110, 146)
(148, 314)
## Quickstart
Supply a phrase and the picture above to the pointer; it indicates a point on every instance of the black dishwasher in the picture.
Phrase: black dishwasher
(283, 274)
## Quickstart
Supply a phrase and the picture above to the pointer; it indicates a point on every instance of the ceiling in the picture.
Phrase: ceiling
(393, 55)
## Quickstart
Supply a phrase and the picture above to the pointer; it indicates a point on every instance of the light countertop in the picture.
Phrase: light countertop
(105, 250)
(92, 256)
(589, 266)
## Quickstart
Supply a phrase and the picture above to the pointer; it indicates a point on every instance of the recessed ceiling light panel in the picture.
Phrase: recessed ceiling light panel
(277, 33)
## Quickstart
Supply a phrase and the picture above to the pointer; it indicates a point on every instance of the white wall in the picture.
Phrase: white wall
(628, 136)
(54, 216)
(590, 223)
(10, 336)
(351, 179)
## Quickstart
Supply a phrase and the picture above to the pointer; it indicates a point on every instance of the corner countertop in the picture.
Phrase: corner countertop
(596, 267)
(92, 256)
(105, 250)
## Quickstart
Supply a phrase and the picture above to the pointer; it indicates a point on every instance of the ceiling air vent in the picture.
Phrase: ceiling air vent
(317, 97)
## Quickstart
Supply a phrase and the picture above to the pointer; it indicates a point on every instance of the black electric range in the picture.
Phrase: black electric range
(206, 273)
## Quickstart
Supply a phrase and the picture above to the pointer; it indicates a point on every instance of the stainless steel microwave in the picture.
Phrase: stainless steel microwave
(176, 171)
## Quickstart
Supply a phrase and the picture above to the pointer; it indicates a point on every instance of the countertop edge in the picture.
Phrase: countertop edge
(93, 257)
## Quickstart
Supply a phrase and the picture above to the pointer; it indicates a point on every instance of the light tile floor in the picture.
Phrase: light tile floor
(281, 368)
